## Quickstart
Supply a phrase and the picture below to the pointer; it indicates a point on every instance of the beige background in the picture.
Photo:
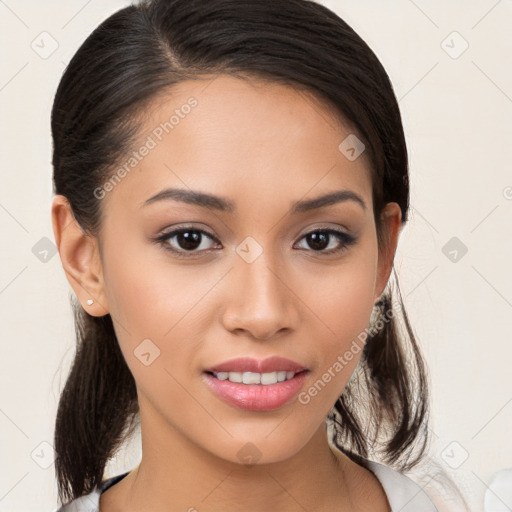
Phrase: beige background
(457, 112)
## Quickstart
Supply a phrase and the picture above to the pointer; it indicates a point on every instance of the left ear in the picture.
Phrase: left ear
(391, 217)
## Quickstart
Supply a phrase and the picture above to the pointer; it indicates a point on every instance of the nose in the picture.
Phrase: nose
(259, 300)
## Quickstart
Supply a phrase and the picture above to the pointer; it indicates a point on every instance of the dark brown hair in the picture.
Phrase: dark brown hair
(143, 50)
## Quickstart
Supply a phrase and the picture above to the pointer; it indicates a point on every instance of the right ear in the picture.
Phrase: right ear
(80, 257)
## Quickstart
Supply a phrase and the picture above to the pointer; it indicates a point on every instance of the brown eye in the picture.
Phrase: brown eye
(320, 239)
(185, 240)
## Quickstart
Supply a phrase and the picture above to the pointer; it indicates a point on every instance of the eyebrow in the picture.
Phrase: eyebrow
(225, 205)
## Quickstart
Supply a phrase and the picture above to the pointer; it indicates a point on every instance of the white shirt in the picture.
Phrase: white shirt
(404, 495)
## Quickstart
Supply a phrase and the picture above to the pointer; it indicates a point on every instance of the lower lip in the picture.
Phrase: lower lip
(257, 397)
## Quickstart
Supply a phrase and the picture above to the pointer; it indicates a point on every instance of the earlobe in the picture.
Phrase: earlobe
(79, 254)
(391, 217)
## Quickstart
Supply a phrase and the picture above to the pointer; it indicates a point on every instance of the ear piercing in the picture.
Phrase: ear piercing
(90, 302)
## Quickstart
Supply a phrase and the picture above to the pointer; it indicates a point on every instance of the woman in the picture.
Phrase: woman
(231, 180)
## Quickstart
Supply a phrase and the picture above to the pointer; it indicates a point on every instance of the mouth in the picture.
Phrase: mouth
(251, 378)
(253, 391)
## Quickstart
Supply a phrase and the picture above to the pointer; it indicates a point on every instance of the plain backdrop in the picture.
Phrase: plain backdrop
(450, 65)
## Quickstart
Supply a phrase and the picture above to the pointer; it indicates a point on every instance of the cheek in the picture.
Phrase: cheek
(351, 301)
(343, 296)
(146, 293)
(150, 308)
(343, 300)
(346, 314)
(154, 305)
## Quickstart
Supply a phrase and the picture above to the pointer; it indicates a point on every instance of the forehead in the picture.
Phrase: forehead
(240, 137)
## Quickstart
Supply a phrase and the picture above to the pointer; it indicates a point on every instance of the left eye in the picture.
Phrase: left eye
(193, 240)
(321, 238)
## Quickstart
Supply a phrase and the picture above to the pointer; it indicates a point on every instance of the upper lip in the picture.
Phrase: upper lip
(247, 364)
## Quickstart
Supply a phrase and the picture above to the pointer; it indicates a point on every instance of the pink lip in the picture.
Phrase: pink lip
(247, 364)
(256, 397)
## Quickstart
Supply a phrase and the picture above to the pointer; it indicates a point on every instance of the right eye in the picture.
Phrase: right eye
(185, 240)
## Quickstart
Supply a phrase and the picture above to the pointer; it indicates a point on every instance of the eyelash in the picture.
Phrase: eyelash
(347, 240)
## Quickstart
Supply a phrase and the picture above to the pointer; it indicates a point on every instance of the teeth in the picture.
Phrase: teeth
(252, 378)
(265, 379)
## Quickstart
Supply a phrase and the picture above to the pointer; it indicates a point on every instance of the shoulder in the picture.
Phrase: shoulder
(90, 502)
(403, 493)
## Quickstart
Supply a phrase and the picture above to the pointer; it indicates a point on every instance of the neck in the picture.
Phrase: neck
(175, 474)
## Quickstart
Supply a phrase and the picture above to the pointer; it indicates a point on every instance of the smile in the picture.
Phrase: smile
(265, 379)
(256, 391)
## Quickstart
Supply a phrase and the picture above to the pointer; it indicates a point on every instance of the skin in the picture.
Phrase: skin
(263, 146)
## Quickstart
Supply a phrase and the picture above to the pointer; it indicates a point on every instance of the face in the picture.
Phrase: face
(256, 272)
